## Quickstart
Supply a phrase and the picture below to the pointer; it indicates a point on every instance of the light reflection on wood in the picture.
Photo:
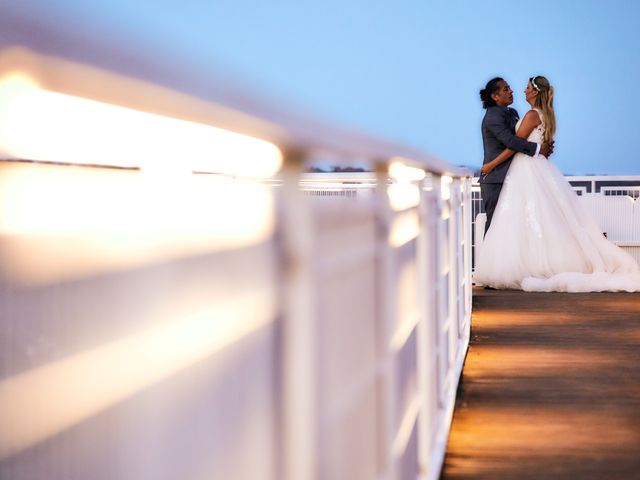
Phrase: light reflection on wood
(550, 389)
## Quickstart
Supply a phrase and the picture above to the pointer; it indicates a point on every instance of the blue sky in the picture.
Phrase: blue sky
(408, 70)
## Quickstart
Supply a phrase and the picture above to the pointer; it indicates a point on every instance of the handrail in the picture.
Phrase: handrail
(134, 77)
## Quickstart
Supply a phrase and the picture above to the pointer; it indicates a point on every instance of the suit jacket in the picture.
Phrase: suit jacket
(498, 133)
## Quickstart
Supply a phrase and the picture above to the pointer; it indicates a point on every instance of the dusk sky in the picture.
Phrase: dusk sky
(408, 70)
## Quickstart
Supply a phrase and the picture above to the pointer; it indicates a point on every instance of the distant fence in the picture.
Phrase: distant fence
(612, 200)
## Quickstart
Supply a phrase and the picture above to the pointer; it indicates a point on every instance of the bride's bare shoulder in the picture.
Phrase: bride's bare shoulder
(532, 116)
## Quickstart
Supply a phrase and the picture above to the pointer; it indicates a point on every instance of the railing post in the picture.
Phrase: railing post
(447, 280)
(426, 331)
(299, 410)
(467, 206)
(384, 324)
(454, 270)
(440, 284)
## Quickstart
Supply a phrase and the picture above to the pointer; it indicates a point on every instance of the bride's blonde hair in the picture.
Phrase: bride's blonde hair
(544, 101)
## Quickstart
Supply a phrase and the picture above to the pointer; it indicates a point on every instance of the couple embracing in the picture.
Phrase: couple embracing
(538, 237)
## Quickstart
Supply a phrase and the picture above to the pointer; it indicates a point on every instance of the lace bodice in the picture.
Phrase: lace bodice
(536, 135)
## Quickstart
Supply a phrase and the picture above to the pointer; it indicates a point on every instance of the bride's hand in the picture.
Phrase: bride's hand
(486, 168)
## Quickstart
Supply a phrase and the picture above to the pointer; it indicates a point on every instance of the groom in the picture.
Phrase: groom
(498, 133)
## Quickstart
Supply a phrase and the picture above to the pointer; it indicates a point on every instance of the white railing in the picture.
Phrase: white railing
(210, 324)
(611, 200)
(392, 287)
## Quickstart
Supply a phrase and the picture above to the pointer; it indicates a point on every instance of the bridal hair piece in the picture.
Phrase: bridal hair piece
(533, 83)
(544, 102)
(488, 90)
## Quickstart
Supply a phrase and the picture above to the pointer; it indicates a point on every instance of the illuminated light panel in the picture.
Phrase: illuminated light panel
(445, 187)
(403, 196)
(400, 171)
(40, 403)
(405, 227)
(37, 124)
(60, 223)
(427, 184)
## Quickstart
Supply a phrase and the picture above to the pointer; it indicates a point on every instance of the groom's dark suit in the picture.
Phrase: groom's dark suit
(498, 133)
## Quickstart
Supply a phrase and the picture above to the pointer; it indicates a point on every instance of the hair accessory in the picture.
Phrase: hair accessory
(533, 83)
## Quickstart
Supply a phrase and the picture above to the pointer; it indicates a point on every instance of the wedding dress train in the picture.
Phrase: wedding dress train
(542, 239)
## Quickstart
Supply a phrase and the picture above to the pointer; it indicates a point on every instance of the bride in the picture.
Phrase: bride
(541, 239)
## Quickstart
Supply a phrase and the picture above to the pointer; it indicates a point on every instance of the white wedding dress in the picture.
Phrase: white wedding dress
(541, 239)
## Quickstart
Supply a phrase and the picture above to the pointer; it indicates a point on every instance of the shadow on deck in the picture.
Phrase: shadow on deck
(550, 388)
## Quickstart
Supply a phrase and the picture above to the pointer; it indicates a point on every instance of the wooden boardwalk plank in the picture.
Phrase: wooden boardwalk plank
(550, 389)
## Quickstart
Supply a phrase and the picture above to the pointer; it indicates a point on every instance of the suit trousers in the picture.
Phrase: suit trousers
(490, 193)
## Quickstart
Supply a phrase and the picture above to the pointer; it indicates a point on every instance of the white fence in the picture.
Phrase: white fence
(393, 297)
(162, 324)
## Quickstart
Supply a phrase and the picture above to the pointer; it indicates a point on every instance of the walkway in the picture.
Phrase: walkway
(550, 389)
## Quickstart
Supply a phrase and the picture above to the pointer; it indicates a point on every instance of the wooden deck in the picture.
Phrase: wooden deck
(550, 389)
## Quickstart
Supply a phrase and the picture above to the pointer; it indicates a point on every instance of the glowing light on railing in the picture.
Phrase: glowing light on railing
(403, 195)
(427, 184)
(445, 187)
(400, 171)
(47, 400)
(38, 124)
(404, 228)
(67, 222)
